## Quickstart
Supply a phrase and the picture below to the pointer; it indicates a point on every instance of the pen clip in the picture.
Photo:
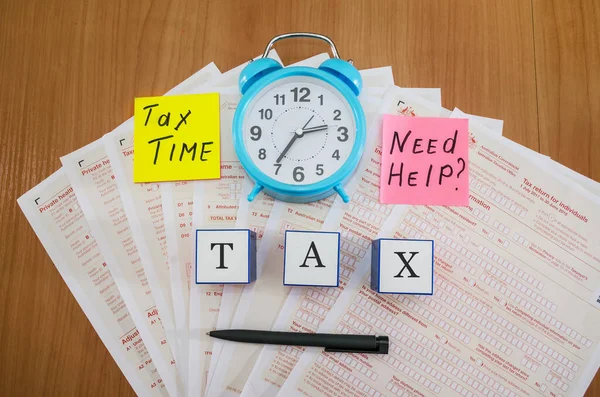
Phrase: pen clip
(381, 347)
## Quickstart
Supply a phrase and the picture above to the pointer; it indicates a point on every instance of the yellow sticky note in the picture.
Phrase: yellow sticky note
(176, 138)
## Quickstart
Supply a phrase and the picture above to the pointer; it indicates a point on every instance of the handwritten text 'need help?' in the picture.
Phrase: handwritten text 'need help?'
(176, 138)
(424, 161)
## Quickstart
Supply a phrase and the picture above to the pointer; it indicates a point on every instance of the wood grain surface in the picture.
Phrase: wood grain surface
(69, 70)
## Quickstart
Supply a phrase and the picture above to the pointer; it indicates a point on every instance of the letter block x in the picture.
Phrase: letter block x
(225, 256)
(401, 266)
(311, 258)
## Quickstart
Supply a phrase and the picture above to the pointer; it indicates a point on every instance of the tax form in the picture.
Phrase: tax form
(229, 294)
(91, 175)
(177, 211)
(254, 215)
(539, 159)
(143, 208)
(358, 223)
(515, 311)
(261, 301)
(54, 214)
(177, 203)
(215, 205)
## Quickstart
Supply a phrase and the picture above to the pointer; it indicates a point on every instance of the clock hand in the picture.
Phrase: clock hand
(297, 134)
(315, 129)
(287, 148)
(311, 117)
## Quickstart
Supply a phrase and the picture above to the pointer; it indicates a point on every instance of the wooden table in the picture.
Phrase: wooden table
(69, 70)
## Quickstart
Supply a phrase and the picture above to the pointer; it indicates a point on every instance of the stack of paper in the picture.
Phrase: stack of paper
(516, 308)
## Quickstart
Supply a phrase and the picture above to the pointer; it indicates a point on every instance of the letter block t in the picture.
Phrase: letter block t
(401, 266)
(311, 258)
(225, 256)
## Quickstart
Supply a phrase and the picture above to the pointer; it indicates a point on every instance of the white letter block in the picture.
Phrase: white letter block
(311, 258)
(225, 256)
(402, 266)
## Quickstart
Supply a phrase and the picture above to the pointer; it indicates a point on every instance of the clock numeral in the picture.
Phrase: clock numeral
(336, 155)
(278, 166)
(320, 169)
(265, 114)
(298, 174)
(262, 154)
(304, 92)
(279, 98)
(337, 115)
(256, 133)
(344, 136)
(321, 99)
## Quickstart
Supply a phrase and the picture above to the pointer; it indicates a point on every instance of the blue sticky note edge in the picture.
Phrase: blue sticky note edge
(312, 285)
(376, 261)
(251, 256)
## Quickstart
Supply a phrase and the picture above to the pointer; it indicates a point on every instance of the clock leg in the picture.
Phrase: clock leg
(340, 190)
(255, 190)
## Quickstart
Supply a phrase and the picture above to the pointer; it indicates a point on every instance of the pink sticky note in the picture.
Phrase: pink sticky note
(425, 161)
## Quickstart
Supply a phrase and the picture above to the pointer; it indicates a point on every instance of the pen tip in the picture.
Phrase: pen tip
(208, 333)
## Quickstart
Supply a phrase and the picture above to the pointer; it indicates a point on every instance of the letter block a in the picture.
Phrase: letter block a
(311, 258)
(400, 266)
(225, 256)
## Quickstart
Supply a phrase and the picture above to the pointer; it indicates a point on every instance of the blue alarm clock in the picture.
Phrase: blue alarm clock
(299, 132)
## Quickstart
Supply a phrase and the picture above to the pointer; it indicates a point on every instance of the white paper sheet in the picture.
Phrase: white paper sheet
(357, 228)
(177, 211)
(177, 201)
(359, 223)
(91, 175)
(216, 203)
(429, 94)
(143, 207)
(493, 125)
(260, 302)
(54, 214)
(538, 158)
(254, 217)
(177, 205)
(516, 307)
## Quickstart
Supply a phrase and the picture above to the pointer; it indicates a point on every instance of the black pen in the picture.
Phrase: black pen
(331, 342)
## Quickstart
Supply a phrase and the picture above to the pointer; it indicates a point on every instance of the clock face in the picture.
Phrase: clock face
(299, 130)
